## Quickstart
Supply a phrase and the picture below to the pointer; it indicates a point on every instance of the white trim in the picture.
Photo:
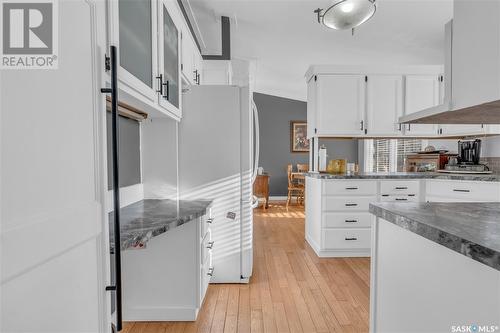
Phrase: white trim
(337, 253)
(160, 313)
(278, 198)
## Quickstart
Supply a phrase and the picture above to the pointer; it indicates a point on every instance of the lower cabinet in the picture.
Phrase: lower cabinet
(461, 191)
(168, 280)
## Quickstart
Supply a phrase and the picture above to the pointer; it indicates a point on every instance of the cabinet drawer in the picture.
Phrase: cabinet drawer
(206, 222)
(350, 187)
(399, 187)
(347, 203)
(346, 238)
(463, 190)
(206, 272)
(399, 198)
(346, 220)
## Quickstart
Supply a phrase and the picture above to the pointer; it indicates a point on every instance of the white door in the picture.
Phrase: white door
(421, 92)
(384, 104)
(341, 105)
(52, 186)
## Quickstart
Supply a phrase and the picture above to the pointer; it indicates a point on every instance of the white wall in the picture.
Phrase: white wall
(490, 145)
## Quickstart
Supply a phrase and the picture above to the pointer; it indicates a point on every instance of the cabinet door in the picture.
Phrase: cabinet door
(421, 92)
(341, 105)
(188, 60)
(136, 28)
(312, 109)
(461, 130)
(198, 65)
(169, 59)
(384, 104)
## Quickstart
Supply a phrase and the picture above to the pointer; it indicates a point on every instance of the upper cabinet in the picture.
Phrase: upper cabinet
(384, 104)
(169, 77)
(150, 37)
(341, 99)
(421, 92)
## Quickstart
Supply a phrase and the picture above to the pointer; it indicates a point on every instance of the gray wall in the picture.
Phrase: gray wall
(275, 114)
(129, 146)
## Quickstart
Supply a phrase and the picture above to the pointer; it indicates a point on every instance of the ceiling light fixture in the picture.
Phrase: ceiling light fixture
(346, 14)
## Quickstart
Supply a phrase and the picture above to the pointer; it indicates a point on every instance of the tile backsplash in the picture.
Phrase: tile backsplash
(492, 162)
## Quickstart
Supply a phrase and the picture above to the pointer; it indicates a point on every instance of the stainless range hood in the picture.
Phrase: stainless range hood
(472, 68)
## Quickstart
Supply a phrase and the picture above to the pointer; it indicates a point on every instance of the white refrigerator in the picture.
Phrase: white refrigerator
(218, 158)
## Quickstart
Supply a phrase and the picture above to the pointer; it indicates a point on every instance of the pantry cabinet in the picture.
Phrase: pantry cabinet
(341, 105)
(384, 104)
(421, 92)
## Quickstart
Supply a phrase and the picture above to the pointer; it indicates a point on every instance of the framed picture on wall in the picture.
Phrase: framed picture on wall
(299, 143)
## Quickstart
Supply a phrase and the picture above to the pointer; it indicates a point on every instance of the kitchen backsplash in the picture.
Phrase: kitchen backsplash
(492, 162)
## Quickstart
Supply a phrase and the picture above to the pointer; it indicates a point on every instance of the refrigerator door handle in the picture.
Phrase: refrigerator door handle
(257, 141)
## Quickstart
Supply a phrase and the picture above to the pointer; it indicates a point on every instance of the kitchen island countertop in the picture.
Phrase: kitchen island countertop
(145, 219)
(471, 229)
(493, 177)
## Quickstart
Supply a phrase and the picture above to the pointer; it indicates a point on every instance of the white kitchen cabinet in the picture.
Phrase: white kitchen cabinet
(169, 43)
(340, 107)
(384, 105)
(462, 130)
(217, 72)
(192, 60)
(167, 280)
(461, 191)
(421, 92)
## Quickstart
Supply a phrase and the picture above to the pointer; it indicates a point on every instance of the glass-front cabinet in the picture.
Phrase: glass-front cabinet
(169, 54)
(147, 34)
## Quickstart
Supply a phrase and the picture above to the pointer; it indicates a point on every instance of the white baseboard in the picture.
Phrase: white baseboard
(278, 198)
(160, 313)
(337, 253)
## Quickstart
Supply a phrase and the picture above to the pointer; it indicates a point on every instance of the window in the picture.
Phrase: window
(389, 155)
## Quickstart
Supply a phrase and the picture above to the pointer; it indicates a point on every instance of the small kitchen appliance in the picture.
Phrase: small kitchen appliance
(469, 154)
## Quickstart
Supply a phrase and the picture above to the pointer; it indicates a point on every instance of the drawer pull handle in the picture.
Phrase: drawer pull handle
(401, 199)
(351, 221)
(210, 245)
(401, 188)
(385, 195)
(351, 239)
(351, 205)
(210, 271)
(463, 191)
(210, 220)
(411, 195)
(351, 188)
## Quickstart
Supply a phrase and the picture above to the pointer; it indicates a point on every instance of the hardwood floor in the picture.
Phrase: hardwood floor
(291, 290)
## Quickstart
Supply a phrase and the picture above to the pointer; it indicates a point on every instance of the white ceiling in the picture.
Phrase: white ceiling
(284, 38)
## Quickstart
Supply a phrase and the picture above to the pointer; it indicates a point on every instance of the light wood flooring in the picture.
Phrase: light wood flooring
(291, 290)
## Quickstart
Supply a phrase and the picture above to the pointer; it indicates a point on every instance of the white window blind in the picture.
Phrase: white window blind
(389, 155)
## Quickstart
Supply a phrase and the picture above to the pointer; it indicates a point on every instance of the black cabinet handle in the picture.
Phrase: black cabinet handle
(160, 85)
(113, 90)
(167, 85)
(210, 271)
(401, 199)
(210, 245)
(210, 220)
(351, 221)
(463, 191)
(195, 72)
(362, 125)
(401, 188)
(351, 205)
(350, 239)
(351, 188)
(198, 78)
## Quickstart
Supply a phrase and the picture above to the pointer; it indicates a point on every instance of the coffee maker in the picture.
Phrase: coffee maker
(469, 154)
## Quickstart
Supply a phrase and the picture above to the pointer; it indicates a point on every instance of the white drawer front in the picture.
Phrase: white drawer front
(206, 272)
(463, 190)
(346, 238)
(399, 187)
(206, 247)
(206, 222)
(399, 198)
(361, 204)
(350, 187)
(347, 220)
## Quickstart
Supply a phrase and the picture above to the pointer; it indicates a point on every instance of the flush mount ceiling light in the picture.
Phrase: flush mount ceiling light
(346, 14)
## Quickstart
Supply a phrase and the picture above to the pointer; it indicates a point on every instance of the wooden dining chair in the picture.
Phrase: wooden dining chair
(295, 189)
(302, 167)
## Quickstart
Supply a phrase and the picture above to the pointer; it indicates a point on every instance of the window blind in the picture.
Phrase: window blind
(389, 155)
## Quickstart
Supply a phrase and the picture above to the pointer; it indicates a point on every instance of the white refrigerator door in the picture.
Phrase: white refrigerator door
(53, 180)
(210, 167)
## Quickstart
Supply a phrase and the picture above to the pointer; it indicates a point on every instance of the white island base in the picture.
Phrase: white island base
(420, 286)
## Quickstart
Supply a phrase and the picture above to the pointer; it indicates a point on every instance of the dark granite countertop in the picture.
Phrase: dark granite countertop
(472, 229)
(145, 219)
(494, 177)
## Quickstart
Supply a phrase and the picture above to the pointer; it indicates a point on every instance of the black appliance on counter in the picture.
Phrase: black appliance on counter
(469, 155)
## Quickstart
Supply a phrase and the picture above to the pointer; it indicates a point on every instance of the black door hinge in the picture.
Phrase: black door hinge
(315, 78)
(182, 67)
(315, 130)
(107, 63)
